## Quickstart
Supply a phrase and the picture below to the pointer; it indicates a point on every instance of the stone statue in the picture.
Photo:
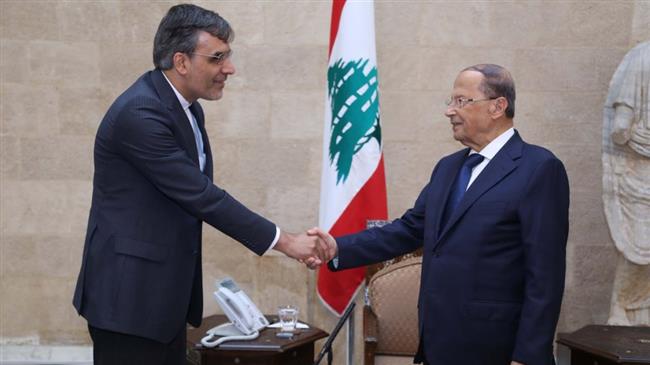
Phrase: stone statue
(626, 185)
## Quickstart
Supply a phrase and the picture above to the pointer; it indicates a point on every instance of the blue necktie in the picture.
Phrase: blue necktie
(460, 185)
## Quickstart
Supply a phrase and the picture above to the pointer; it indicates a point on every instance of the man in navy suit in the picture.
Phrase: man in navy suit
(140, 277)
(493, 221)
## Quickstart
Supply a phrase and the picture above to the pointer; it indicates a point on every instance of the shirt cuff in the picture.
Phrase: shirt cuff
(335, 262)
(275, 240)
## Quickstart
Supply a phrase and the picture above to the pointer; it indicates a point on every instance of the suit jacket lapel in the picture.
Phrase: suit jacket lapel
(447, 182)
(169, 99)
(504, 162)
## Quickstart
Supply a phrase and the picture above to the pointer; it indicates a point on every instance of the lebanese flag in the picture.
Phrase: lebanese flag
(353, 186)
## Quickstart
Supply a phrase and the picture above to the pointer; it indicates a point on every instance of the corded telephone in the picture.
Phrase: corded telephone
(246, 319)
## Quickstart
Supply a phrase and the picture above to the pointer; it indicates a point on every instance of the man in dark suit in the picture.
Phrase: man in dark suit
(140, 277)
(493, 221)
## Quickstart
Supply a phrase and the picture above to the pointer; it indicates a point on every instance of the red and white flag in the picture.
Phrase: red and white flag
(353, 186)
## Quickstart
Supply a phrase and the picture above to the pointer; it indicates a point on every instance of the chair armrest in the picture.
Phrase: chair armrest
(369, 335)
(369, 324)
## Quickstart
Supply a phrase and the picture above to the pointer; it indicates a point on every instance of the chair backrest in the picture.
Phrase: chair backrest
(371, 270)
(392, 296)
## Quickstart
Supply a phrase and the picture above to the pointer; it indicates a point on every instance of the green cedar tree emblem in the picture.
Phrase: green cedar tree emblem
(355, 112)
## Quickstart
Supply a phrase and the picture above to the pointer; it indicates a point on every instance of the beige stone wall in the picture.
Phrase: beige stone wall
(62, 64)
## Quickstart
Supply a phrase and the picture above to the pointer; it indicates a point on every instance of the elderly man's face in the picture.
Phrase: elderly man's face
(471, 122)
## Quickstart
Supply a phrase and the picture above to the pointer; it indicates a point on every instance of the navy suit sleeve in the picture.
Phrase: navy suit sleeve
(544, 216)
(143, 135)
(401, 236)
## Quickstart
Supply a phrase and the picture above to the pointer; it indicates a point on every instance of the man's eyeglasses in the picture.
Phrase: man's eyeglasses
(462, 102)
(218, 57)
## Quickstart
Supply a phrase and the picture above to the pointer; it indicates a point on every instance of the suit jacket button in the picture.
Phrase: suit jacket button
(436, 253)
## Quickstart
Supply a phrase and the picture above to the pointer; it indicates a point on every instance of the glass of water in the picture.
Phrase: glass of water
(288, 315)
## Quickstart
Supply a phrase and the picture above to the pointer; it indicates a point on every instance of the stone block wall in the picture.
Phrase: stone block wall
(63, 63)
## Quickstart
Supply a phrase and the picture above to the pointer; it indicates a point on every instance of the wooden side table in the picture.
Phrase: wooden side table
(264, 350)
(608, 345)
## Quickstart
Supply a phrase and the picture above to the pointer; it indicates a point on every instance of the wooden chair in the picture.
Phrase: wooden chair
(390, 326)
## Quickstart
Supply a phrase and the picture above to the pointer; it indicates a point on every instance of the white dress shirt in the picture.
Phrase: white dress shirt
(489, 152)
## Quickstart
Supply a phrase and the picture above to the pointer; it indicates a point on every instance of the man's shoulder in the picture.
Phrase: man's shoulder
(141, 93)
(142, 87)
(139, 106)
(538, 158)
(538, 153)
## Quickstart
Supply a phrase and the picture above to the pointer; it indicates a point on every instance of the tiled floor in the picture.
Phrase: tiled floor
(45, 355)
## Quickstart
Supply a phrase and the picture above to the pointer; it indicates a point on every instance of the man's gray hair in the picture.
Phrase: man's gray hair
(178, 32)
(497, 82)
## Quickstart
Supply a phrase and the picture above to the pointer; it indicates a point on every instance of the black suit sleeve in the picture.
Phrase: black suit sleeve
(144, 136)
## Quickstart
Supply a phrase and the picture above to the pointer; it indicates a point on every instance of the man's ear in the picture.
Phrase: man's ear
(181, 63)
(499, 107)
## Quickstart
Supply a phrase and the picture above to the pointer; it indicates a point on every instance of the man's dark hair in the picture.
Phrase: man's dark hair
(497, 82)
(178, 32)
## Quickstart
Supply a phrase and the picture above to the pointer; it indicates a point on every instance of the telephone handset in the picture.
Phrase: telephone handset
(246, 319)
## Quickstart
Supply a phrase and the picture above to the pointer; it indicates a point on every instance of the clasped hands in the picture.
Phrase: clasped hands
(312, 248)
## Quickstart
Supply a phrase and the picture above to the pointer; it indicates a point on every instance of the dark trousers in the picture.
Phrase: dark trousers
(113, 348)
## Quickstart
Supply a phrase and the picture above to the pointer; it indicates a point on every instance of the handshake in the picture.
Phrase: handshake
(312, 248)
